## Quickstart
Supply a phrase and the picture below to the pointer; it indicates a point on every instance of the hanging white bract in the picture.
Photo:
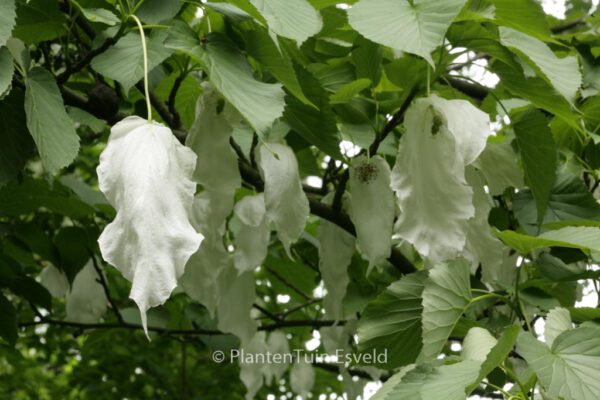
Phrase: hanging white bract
(442, 137)
(252, 240)
(482, 246)
(145, 174)
(55, 281)
(218, 173)
(373, 207)
(285, 201)
(336, 248)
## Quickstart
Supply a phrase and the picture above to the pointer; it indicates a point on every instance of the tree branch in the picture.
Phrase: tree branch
(83, 62)
(478, 92)
(182, 332)
(104, 283)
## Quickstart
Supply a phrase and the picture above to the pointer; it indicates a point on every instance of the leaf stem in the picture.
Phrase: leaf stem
(145, 53)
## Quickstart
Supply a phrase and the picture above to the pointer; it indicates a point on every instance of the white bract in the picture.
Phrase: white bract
(336, 248)
(235, 301)
(277, 344)
(302, 377)
(86, 302)
(252, 240)
(145, 174)
(442, 137)
(199, 280)
(55, 281)
(251, 374)
(373, 207)
(217, 171)
(481, 245)
(285, 201)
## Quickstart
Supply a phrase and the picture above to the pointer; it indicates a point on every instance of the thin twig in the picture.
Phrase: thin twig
(287, 283)
(102, 280)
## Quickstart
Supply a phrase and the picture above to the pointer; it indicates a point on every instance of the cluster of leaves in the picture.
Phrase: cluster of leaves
(471, 238)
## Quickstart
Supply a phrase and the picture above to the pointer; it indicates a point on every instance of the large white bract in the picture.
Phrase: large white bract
(217, 171)
(373, 207)
(442, 137)
(145, 174)
(285, 201)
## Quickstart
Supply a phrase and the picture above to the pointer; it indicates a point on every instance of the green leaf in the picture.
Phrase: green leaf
(428, 382)
(182, 37)
(524, 15)
(570, 369)
(7, 20)
(32, 194)
(349, 90)
(100, 15)
(15, 142)
(82, 117)
(536, 90)
(124, 62)
(582, 314)
(260, 46)
(539, 154)
(479, 37)
(367, 58)
(558, 321)
(8, 321)
(32, 291)
(6, 71)
(392, 322)
(260, 103)
(562, 73)
(74, 246)
(48, 122)
(583, 238)
(446, 296)
(38, 21)
(19, 52)
(497, 354)
(230, 11)
(293, 19)
(416, 26)
(155, 11)
(317, 127)
(569, 200)
(477, 344)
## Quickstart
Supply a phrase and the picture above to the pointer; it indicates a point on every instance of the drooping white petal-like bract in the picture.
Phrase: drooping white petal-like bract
(302, 377)
(145, 174)
(55, 281)
(442, 137)
(252, 240)
(217, 171)
(336, 248)
(373, 207)
(285, 201)
(86, 302)
(236, 297)
(481, 245)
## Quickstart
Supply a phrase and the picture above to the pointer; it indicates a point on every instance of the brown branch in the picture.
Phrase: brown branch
(83, 62)
(396, 120)
(252, 177)
(102, 280)
(292, 310)
(183, 332)
(478, 92)
(287, 283)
